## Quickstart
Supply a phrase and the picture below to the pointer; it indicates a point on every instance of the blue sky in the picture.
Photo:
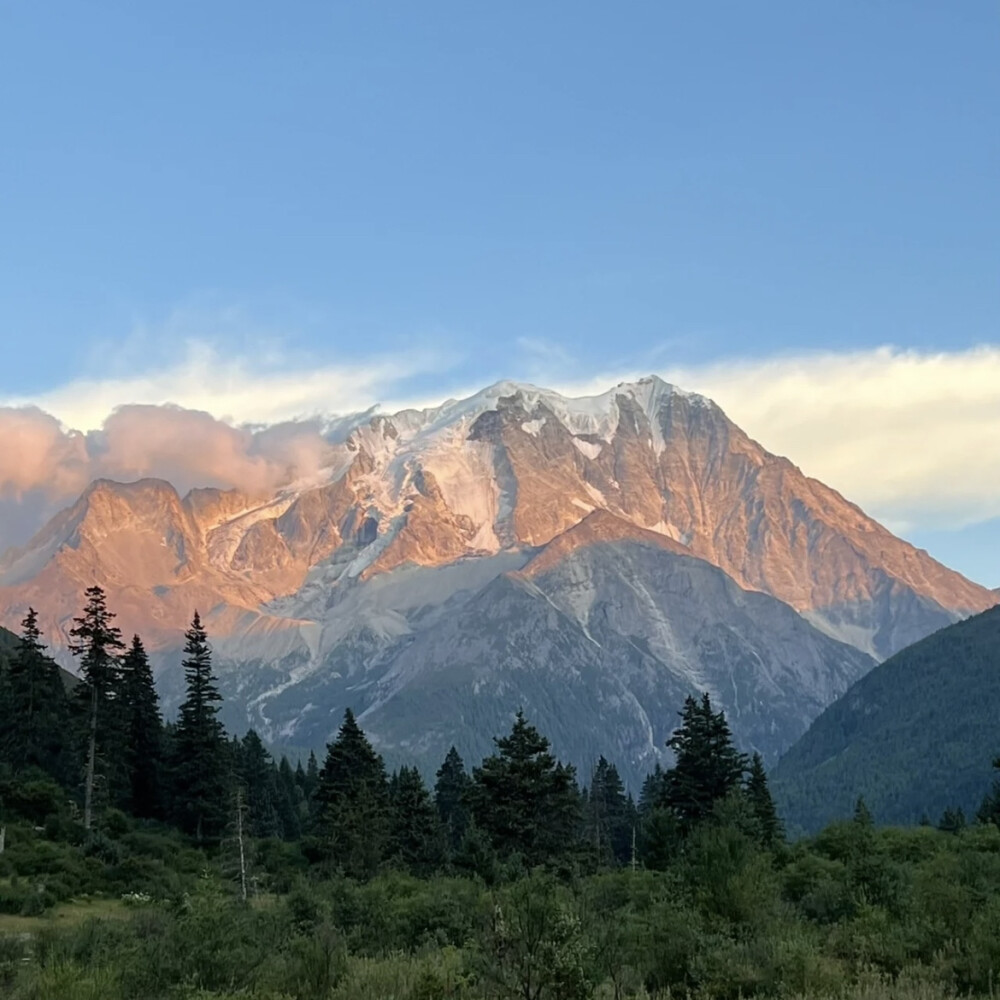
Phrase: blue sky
(544, 191)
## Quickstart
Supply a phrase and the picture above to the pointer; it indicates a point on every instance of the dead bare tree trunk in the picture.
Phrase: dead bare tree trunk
(239, 839)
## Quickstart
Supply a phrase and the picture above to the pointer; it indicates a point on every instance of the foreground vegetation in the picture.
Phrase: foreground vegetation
(854, 912)
(139, 860)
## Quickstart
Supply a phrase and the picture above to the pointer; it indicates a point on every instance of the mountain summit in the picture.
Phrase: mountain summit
(610, 553)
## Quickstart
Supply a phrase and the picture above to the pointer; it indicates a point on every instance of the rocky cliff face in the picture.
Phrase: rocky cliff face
(365, 583)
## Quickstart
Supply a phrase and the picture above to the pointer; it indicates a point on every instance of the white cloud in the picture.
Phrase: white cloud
(236, 388)
(913, 437)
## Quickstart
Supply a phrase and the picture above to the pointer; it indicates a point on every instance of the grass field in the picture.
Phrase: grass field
(64, 915)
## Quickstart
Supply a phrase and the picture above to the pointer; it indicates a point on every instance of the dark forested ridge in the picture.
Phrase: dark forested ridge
(8, 641)
(914, 737)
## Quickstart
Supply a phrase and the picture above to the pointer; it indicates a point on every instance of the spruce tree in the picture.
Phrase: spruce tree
(762, 805)
(6, 712)
(653, 793)
(707, 765)
(98, 643)
(36, 734)
(258, 778)
(352, 802)
(299, 775)
(450, 793)
(989, 808)
(862, 815)
(608, 816)
(417, 837)
(952, 821)
(200, 750)
(144, 733)
(523, 799)
(291, 800)
(312, 775)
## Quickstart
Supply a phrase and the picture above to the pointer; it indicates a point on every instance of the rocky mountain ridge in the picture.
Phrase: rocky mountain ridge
(329, 584)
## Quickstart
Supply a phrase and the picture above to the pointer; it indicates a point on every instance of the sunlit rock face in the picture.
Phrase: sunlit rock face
(594, 559)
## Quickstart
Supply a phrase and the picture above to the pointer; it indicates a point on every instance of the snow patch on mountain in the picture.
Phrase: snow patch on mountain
(590, 449)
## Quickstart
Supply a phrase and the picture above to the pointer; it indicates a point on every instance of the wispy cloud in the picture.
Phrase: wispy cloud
(911, 436)
(239, 388)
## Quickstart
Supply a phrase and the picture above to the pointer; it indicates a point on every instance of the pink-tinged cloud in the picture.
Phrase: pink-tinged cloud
(44, 467)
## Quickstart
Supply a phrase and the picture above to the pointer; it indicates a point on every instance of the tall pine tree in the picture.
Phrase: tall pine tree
(609, 816)
(200, 751)
(707, 765)
(352, 801)
(989, 808)
(450, 794)
(524, 800)
(258, 776)
(36, 732)
(144, 733)
(762, 805)
(416, 837)
(98, 643)
(291, 801)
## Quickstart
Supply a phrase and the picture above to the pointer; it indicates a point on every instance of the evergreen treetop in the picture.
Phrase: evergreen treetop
(762, 804)
(143, 727)
(353, 802)
(200, 749)
(35, 733)
(450, 796)
(523, 798)
(707, 764)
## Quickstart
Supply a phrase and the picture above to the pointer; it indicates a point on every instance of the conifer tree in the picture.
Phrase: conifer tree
(658, 828)
(523, 799)
(653, 793)
(707, 765)
(98, 643)
(762, 805)
(989, 808)
(952, 820)
(6, 714)
(258, 778)
(199, 747)
(450, 793)
(144, 733)
(352, 801)
(36, 733)
(608, 816)
(862, 815)
(417, 838)
(312, 775)
(291, 800)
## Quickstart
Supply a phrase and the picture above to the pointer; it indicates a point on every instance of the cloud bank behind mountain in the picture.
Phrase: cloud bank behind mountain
(912, 437)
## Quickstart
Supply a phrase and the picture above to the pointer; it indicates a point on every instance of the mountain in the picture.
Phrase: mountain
(915, 736)
(9, 642)
(599, 637)
(341, 589)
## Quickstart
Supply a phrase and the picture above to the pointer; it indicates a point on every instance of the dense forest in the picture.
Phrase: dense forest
(143, 858)
(914, 736)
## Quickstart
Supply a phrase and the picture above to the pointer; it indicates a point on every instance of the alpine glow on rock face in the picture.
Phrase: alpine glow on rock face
(610, 554)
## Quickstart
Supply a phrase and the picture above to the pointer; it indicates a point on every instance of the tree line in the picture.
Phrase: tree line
(106, 743)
